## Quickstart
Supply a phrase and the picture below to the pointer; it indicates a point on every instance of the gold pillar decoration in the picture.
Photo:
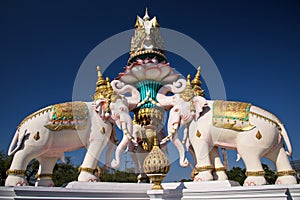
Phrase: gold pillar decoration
(196, 83)
(156, 164)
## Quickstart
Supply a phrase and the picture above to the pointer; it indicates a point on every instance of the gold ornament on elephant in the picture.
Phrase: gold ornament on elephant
(232, 115)
(198, 134)
(188, 92)
(70, 115)
(258, 135)
(196, 83)
(37, 136)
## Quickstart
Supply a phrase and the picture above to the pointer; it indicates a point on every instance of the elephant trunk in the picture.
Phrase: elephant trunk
(120, 88)
(176, 87)
(124, 142)
(182, 160)
(173, 124)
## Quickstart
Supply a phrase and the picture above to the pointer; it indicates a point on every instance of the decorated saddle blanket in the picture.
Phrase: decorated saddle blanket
(70, 115)
(231, 115)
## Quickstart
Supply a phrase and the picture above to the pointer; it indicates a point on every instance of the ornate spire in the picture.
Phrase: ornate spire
(188, 93)
(100, 85)
(196, 83)
(146, 17)
(147, 41)
(109, 89)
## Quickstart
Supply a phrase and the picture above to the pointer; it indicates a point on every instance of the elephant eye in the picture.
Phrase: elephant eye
(176, 110)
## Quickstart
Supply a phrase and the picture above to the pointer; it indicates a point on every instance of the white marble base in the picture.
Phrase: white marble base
(172, 191)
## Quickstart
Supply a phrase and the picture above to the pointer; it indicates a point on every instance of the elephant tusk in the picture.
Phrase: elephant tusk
(106, 115)
(166, 139)
(130, 137)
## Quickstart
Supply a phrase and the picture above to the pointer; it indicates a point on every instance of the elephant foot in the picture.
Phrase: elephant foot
(255, 181)
(203, 176)
(221, 176)
(12, 181)
(286, 180)
(87, 177)
(45, 183)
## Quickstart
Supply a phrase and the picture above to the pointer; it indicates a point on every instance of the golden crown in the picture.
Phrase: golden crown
(147, 40)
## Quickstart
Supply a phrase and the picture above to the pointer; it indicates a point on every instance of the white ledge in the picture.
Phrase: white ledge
(134, 191)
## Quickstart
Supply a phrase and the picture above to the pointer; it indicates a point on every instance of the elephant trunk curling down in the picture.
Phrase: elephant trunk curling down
(125, 121)
(168, 102)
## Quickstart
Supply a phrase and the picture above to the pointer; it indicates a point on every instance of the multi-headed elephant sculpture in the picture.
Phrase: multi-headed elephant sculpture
(142, 142)
(252, 131)
(46, 134)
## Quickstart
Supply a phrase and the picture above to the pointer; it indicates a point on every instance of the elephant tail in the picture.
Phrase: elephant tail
(17, 137)
(286, 139)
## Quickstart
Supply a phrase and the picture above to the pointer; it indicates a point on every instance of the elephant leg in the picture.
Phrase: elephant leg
(108, 154)
(90, 162)
(254, 171)
(44, 175)
(203, 168)
(16, 173)
(217, 163)
(286, 175)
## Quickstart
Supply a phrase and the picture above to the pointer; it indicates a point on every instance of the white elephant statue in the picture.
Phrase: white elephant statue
(183, 115)
(252, 131)
(51, 131)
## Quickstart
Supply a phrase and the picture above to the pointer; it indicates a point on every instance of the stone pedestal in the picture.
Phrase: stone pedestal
(172, 191)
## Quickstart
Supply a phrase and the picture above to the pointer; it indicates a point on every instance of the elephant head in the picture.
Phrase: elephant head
(120, 106)
(185, 106)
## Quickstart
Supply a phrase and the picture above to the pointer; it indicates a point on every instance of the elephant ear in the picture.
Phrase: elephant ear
(99, 104)
(199, 103)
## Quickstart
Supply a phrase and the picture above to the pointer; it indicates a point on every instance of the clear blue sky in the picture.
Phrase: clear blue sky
(255, 44)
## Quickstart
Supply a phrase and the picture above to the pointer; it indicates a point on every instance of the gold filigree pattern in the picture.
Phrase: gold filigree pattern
(286, 173)
(204, 168)
(70, 115)
(156, 164)
(255, 173)
(15, 172)
(101, 86)
(48, 176)
(196, 83)
(188, 92)
(96, 171)
(231, 115)
(37, 113)
(147, 38)
(220, 169)
(266, 118)
(149, 116)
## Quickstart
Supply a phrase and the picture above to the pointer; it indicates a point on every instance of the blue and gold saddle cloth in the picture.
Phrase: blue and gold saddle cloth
(70, 115)
(231, 115)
